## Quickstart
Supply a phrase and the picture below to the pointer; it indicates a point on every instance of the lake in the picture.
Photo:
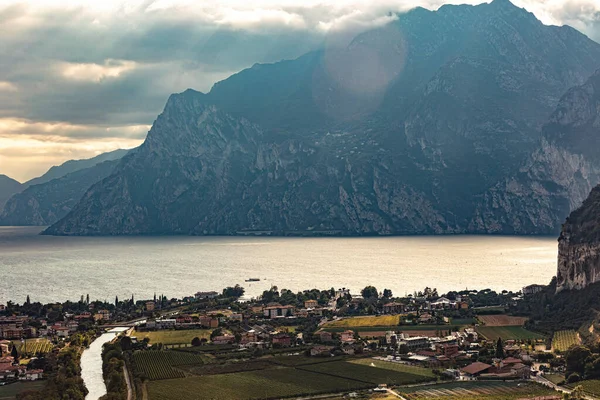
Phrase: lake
(59, 268)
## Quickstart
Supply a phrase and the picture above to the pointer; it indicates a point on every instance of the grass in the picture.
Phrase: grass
(555, 378)
(507, 332)
(402, 328)
(477, 391)
(174, 336)
(271, 383)
(11, 391)
(392, 366)
(591, 387)
(368, 374)
(562, 340)
(369, 321)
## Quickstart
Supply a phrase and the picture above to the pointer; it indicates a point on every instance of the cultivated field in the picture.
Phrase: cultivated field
(9, 392)
(175, 336)
(270, 383)
(502, 320)
(382, 320)
(364, 372)
(156, 365)
(393, 366)
(591, 387)
(562, 340)
(478, 391)
(507, 332)
(33, 346)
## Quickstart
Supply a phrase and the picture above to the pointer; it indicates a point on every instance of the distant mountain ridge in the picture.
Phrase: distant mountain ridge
(43, 201)
(429, 125)
(75, 165)
(8, 187)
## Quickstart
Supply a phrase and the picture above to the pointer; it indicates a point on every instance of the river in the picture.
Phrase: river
(91, 365)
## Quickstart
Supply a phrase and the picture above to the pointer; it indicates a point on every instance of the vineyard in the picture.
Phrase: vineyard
(156, 365)
(33, 346)
(562, 340)
(479, 391)
(591, 387)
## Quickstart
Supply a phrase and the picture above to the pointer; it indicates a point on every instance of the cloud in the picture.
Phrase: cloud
(75, 70)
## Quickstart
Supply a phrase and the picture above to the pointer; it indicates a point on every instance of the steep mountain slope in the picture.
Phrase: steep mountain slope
(579, 246)
(76, 165)
(557, 177)
(45, 200)
(202, 171)
(403, 131)
(46, 203)
(8, 187)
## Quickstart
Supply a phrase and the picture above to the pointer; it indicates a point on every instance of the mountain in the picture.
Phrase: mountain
(75, 165)
(557, 177)
(46, 203)
(579, 246)
(418, 127)
(8, 187)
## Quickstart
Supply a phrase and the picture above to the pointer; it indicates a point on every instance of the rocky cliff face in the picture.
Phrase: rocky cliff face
(579, 246)
(557, 177)
(428, 125)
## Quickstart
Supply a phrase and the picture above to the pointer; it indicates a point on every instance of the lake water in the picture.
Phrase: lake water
(60, 268)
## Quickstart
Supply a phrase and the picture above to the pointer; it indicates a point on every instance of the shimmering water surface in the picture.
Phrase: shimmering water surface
(59, 268)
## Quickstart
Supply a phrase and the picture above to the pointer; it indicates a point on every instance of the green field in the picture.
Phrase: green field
(562, 340)
(10, 391)
(507, 332)
(364, 372)
(401, 328)
(392, 366)
(591, 387)
(477, 391)
(33, 346)
(555, 378)
(174, 336)
(156, 365)
(370, 321)
(270, 383)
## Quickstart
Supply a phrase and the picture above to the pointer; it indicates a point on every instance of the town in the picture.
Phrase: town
(372, 344)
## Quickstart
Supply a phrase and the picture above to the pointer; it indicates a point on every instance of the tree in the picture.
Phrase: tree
(87, 298)
(369, 292)
(215, 333)
(196, 341)
(236, 291)
(28, 301)
(387, 293)
(126, 343)
(576, 359)
(499, 349)
(116, 301)
(15, 353)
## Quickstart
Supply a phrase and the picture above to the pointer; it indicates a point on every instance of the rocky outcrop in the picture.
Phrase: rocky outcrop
(428, 125)
(579, 246)
(557, 177)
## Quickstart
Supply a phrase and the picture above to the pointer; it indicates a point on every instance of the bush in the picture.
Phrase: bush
(196, 342)
(573, 378)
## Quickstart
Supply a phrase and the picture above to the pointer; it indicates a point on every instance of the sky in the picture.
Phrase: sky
(81, 77)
